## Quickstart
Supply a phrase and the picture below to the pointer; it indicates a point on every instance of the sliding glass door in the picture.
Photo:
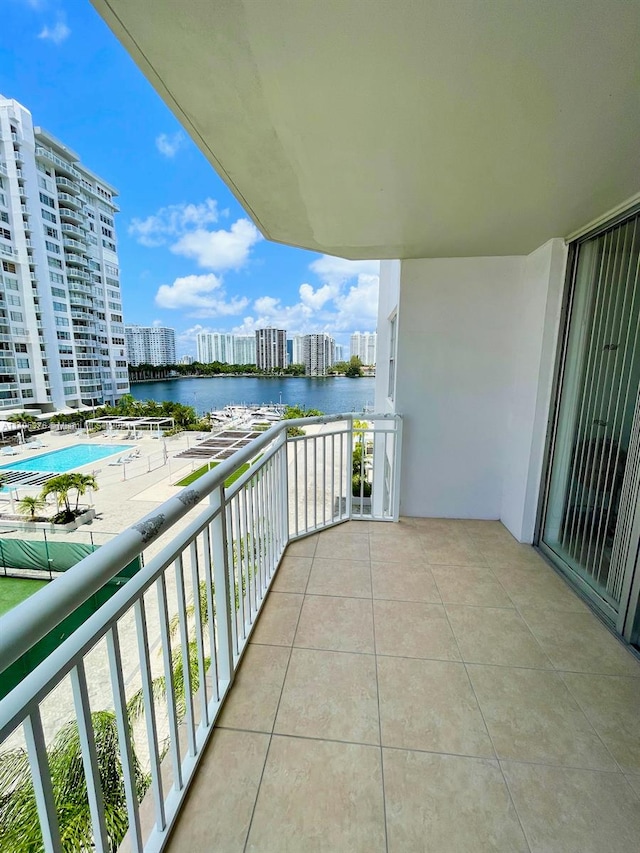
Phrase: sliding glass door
(589, 523)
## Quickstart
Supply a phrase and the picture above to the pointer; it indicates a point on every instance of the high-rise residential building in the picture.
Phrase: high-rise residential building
(244, 348)
(62, 340)
(290, 351)
(271, 349)
(363, 344)
(186, 359)
(318, 354)
(215, 346)
(150, 345)
(339, 352)
(297, 349)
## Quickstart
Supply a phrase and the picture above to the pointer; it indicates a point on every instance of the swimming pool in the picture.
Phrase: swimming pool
(60, 461)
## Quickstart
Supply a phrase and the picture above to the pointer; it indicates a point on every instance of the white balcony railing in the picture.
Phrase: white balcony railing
(170, 639)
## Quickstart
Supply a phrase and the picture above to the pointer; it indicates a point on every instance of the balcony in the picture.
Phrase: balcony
(68, 228)
(67, 200)
(67, 186)
(358, 686)
(61, 165)
(69, 215)
(72, 245)
(76, 260)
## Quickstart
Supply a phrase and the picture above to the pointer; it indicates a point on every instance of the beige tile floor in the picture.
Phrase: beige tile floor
(426, 686)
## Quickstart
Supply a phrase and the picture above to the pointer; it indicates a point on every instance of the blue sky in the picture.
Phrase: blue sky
(190, 257)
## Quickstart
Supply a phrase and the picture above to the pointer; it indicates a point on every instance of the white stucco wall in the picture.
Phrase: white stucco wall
(453, 354)
(476, 343)
(534, 339)
(387, 306)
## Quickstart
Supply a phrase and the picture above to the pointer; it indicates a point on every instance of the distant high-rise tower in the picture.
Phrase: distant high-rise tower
(244, 347)
(363, 344)
(297, 350)
(61, 326)
(318, 354)
(271, 349)
(150, 345)
(215, 346)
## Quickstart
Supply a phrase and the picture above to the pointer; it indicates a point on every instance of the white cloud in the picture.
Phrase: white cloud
(219, 250)
(358, 307)
(340, 270)
(332, 307)
(317, 298)
(173, 221)
(57, 33)
(199, 296)
(169, 145)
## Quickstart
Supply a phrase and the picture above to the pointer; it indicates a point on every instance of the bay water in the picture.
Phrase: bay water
(329, 394)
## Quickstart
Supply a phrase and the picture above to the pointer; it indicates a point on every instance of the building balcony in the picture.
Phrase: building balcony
(350, 684)
(72, 245)
(72, 216)
(82, 276)
(68, 228)
(76, 260)
(61, 165)
(67, 185)
(68, 200)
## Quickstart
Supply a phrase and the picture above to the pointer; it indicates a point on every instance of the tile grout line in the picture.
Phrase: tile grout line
(586, 716)
(375, 665)
(271, 734)
(421, 751)
(484, 722)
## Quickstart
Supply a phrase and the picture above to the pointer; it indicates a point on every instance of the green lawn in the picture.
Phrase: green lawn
(15, 590)
(194, 475)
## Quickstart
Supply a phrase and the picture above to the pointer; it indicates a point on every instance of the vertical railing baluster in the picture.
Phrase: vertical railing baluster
(315, 482)
(333, 476)
(41, 779)
(251, 598)
(169, 679)
(349, 467)
(89, 757)
(259, 521)
(284, 485)
(227, 544)
(324, 480)
(268, 508)
(225, 603)
(186, 654)
(397, 463)
(340, 515)
(238, 568)
(305, 485)
(199, 631)
(149, 713)
(134, 832)
(296, 487)
(211, 620)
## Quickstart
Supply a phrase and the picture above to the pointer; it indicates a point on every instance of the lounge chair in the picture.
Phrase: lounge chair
(9, 451)
(35, 445)
(119, 461)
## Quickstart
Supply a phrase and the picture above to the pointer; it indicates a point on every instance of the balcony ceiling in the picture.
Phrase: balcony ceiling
(412, 128)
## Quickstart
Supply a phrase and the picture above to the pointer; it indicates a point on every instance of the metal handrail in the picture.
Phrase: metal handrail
(28, 622)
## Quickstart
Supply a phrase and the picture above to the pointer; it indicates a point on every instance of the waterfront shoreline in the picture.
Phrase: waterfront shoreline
(309, 392)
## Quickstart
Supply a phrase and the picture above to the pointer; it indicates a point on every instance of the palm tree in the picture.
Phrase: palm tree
(30, 504)
(19, 824)
(82, 482)
(60, 486)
